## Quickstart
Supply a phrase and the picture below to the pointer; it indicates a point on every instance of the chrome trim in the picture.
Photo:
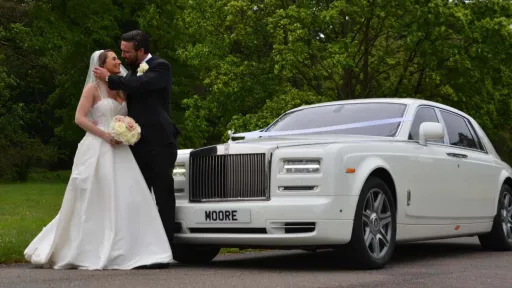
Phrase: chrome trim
(303, 188)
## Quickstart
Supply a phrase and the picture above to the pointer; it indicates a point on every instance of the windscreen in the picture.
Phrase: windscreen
(344, 114)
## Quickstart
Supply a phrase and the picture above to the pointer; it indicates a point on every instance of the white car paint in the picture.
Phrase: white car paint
(448, 197)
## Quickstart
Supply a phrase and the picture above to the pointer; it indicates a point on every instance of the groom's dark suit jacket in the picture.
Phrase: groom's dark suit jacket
(148, 97)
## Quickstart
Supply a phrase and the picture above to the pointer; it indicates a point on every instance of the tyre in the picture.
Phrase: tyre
(374, 231)
(193, 254)
(500, 237)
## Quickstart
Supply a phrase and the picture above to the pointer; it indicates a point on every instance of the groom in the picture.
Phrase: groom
(148, 91)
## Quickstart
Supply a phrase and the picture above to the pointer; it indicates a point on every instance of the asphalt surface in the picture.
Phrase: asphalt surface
(448, 263)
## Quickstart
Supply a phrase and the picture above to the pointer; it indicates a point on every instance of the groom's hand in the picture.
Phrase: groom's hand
(101, 73)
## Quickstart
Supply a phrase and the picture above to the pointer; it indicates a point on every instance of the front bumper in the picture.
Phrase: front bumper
(283, 221)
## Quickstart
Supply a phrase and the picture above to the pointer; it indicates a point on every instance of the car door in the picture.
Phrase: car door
(430, 199)
(478, 175)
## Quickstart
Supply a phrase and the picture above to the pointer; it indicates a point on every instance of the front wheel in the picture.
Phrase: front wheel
(193, 254)
(500, 237)
(374, 231)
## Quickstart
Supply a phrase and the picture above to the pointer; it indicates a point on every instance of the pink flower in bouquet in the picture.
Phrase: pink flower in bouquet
(118, 118)
(130, 123)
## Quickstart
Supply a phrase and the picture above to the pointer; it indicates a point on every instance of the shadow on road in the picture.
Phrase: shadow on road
(327, 260)
(414, 252)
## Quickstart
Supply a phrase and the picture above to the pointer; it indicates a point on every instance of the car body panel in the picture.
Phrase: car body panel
(437, 195)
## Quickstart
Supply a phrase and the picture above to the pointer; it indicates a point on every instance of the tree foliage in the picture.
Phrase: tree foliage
(239, 64)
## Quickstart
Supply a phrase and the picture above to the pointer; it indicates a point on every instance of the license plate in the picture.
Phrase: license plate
(223, 216)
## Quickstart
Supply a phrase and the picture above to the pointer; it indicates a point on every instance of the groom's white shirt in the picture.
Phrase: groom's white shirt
(147, 58)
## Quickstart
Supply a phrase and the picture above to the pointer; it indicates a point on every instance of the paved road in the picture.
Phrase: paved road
(448, 263)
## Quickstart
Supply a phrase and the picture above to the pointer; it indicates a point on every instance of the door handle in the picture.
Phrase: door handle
(457, 155)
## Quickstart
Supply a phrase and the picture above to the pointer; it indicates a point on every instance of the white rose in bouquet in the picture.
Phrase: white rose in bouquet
(125, 130)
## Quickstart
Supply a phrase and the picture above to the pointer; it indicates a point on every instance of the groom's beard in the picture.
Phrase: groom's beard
(134, 66)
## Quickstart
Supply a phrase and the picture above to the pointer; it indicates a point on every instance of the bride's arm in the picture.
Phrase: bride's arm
(86, 101)
(157, 76)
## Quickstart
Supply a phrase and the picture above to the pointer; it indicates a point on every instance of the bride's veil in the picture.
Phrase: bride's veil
(93, 63)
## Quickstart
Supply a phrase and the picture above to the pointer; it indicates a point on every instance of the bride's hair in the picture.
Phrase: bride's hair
(102, 58)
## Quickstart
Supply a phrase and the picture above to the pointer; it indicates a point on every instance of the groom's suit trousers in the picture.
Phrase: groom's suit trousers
(156, 165)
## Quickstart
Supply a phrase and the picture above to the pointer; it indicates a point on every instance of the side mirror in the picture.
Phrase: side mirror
(430, 131)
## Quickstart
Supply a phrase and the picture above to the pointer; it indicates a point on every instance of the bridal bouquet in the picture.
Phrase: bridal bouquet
(125, 130)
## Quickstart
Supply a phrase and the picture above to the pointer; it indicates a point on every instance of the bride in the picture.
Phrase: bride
(108, 218)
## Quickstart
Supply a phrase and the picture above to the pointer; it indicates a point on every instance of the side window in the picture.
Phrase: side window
(479, 143)
(458, 131)
(423, 114)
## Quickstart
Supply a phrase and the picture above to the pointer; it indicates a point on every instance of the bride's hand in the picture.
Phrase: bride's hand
(101, 73)
(110, 139)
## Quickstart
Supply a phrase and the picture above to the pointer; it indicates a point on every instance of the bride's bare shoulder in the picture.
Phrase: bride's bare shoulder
(90, 92)
(90, 88)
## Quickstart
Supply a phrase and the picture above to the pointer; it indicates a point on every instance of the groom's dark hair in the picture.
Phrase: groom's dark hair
(139, 39)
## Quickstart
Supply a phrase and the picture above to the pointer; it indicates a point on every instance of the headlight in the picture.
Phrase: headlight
(301, 166)
(179, 170)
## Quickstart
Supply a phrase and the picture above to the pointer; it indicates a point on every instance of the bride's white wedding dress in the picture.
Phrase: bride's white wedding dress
(108, 218)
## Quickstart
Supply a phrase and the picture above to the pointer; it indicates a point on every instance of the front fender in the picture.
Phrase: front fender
(364, 165)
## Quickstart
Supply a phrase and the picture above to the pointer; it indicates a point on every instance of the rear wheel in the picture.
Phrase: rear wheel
(374, 230)
(193, 254)
(500, 237)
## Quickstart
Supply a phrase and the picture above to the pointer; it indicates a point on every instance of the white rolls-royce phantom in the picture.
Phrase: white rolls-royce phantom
(363, 174)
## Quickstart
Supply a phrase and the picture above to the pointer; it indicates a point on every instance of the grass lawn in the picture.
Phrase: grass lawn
(24, 210)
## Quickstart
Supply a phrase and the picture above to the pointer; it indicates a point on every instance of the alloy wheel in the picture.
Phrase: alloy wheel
(506, 215)
(377, 224)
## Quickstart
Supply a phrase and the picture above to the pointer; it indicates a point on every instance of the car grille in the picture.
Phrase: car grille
(228, 177)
